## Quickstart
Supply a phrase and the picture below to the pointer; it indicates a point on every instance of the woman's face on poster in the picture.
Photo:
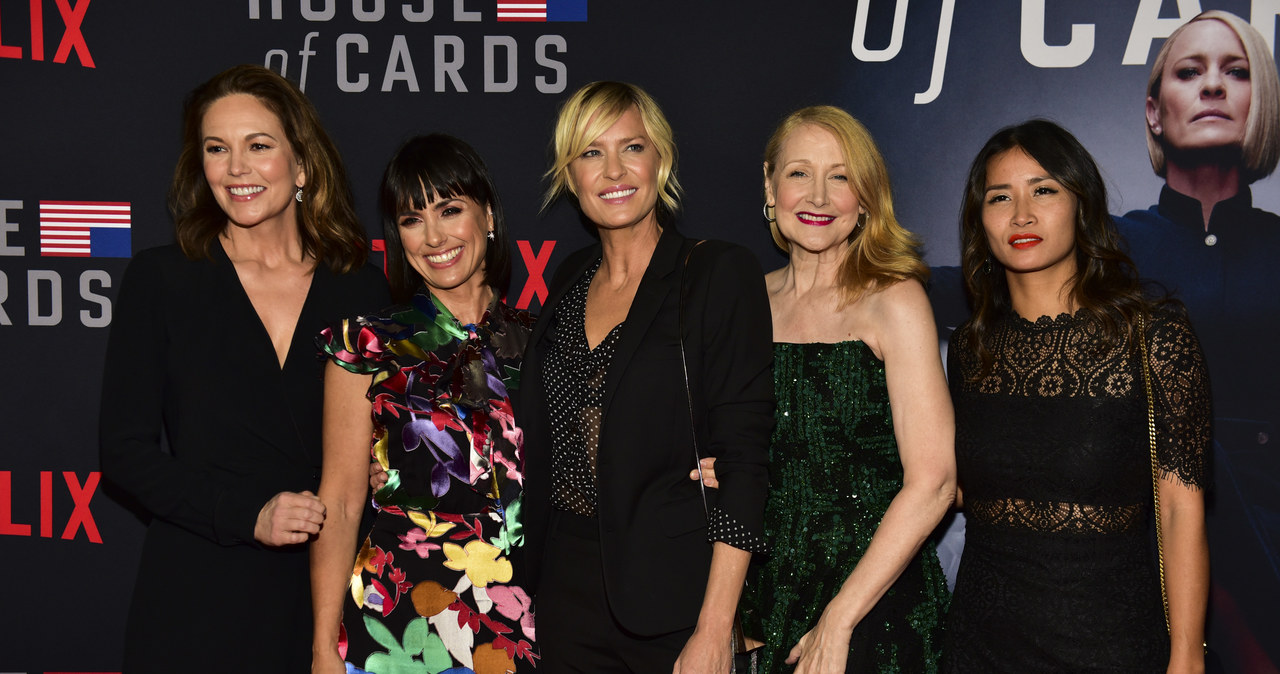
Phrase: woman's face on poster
(1204, 90)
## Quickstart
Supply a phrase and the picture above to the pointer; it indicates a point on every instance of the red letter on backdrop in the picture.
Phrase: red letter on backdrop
(536, 264)
(7, 527)
(37, 30)
(10, 52)
(73, 38)
(81, 516)
(380, 246)
(46, 504)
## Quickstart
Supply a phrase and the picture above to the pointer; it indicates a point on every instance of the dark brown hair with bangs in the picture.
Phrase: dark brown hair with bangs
(424, 170)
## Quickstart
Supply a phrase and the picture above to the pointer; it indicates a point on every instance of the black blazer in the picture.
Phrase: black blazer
(189, 360)
(653, 529)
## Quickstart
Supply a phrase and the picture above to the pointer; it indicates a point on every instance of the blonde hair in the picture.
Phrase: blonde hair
(881, 251)
(1261, 147)
(588, 113)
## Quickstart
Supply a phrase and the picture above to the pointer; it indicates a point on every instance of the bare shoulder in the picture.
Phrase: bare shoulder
(896, 316)
(903, 302)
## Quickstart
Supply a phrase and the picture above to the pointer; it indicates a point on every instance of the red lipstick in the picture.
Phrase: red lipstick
(814, 219)
(1024, 240)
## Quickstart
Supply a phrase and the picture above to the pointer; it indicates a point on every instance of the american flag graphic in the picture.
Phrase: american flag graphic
(542, 10)
(85, 229)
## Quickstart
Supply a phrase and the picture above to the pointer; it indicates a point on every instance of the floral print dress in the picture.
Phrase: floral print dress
(436, 584)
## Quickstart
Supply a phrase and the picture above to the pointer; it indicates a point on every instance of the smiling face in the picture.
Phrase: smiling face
(616, 177)
(1029, 218)
(1204, 90)
(810, 187)
(249, 163)
(446, 243)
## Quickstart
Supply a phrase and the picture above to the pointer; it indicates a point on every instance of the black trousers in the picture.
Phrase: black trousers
(576, 628)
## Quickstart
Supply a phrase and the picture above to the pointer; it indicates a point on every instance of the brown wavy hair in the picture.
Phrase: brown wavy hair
(881, 252)
(327, 222)
(1105, 286)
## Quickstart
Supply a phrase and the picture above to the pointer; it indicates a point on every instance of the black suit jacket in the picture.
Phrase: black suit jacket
(188, 359)
(653, 527)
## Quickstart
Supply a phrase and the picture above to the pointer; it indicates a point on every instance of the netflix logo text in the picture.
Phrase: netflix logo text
(48, 519)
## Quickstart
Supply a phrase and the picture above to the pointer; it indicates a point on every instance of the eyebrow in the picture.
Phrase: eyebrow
(247, 137)
(620, 141)
(1032, 181)
(1202, 57)
(810, 161)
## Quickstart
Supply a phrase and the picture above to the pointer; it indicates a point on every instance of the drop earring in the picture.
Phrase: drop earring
(298, 195)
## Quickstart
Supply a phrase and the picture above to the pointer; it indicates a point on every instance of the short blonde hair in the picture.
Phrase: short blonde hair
(881, 252)
(588, 113)
(1261, 148)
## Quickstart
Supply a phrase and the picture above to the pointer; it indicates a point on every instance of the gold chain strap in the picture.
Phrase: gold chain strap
(1155, 465)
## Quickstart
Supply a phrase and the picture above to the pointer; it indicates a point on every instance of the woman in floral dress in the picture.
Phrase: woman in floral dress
(435, 586)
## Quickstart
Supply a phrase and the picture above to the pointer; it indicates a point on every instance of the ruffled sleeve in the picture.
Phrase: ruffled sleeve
(353, 344)
(1180, 389)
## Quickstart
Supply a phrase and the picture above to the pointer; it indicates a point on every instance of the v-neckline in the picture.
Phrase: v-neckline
(281, 365)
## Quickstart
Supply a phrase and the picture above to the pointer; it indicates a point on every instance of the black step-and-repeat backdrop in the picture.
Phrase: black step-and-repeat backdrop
(90, 96)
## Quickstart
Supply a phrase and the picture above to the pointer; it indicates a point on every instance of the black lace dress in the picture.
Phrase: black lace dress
(1059, 572)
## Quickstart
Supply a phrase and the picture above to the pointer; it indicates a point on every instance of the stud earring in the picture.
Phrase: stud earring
(491, 235)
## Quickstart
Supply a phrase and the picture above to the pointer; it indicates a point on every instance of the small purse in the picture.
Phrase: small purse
(744, 660)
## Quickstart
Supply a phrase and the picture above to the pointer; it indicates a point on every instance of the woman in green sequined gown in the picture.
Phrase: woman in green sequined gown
(850, 582)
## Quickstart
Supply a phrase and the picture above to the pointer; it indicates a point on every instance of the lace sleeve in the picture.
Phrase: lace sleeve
(1180, 386)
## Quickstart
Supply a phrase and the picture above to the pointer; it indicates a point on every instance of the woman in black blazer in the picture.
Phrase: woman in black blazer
(631, 573)
(211, 350)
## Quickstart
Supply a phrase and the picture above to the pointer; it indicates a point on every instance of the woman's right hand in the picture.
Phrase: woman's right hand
(708, 473)
(377, 476)
(289, 518)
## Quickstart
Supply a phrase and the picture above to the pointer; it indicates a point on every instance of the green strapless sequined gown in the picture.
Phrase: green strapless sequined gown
(834, 469)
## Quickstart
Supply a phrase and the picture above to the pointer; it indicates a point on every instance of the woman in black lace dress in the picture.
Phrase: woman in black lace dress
(1058, 573)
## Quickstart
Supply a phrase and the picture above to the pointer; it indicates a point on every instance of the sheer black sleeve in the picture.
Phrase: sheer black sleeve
(1180, 388)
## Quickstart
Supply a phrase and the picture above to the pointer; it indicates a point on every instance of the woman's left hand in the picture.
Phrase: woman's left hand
(289, 519)
(822, 650)
(705, 653)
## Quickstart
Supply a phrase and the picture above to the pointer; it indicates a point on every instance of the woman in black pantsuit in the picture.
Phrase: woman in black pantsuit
(633, 575)
(212, 347)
